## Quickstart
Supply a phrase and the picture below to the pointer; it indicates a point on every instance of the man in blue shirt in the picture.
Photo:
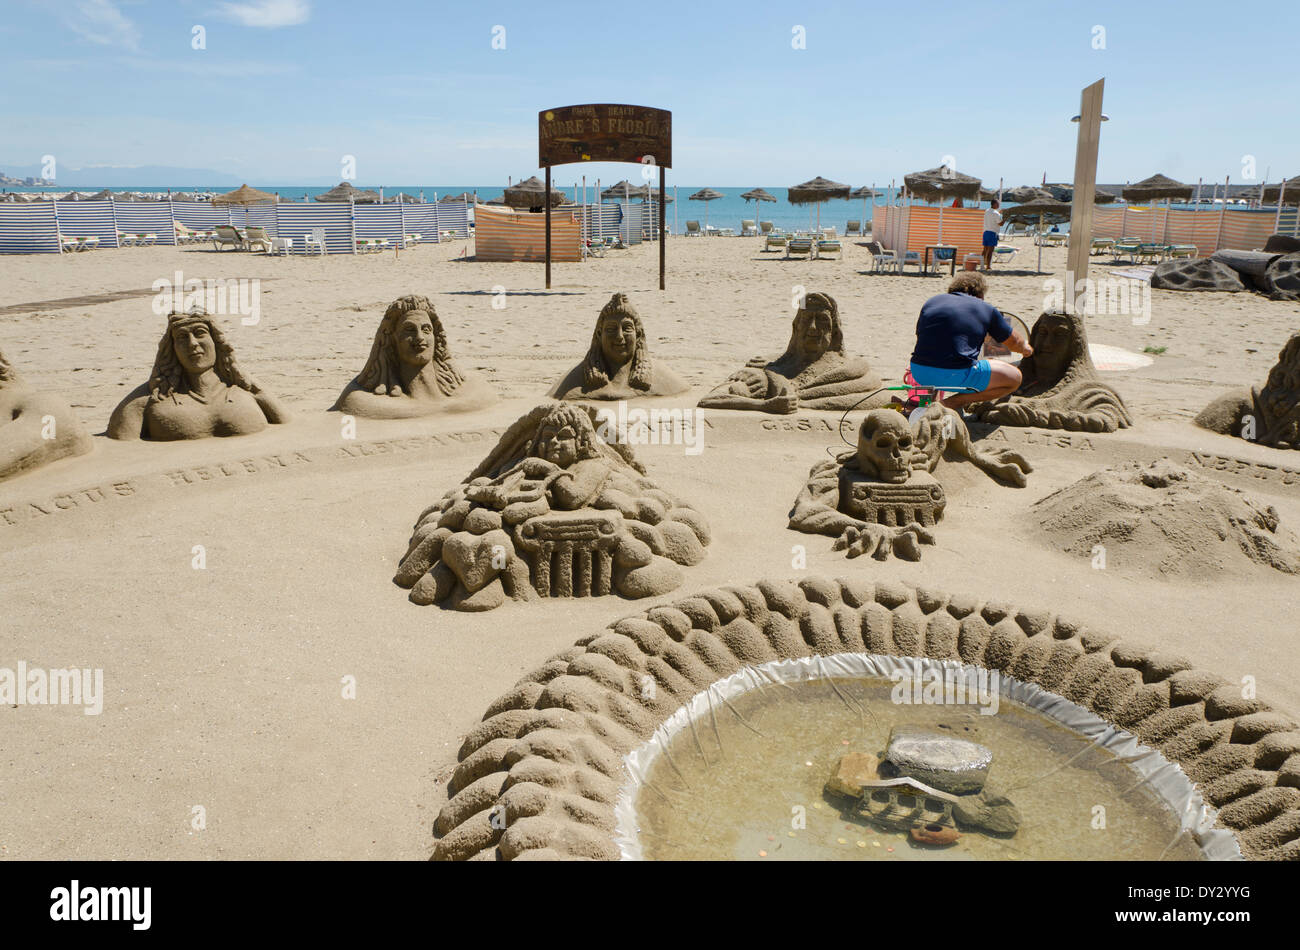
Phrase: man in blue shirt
(949, 336)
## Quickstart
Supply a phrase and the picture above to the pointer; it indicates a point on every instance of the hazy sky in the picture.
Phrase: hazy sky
(417, 94)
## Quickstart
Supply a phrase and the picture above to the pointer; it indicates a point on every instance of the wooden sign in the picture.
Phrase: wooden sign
(605, 133)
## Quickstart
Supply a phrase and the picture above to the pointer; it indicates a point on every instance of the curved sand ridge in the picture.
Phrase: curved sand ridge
(1162, 519)
(539, 776)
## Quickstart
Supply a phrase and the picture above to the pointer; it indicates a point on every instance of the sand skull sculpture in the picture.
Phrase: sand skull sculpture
(618, 363)
(34, 428)
(1061, 388)
(195, 389)
(410, 371)
(553, 511)
(814, 372)
(883, 497)
(1268, 415)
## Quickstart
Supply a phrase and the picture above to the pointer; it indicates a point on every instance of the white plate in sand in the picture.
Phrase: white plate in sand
(1113, 359)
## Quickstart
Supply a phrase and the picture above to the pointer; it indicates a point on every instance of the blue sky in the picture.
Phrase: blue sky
(414, 90)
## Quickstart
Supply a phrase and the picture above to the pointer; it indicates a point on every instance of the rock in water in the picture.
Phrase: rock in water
(942, 762)
(1199, 274)
(850, 772)
(988, 811)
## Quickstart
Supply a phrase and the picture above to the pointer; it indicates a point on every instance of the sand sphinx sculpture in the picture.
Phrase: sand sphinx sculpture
(1268, 415)
(883, 497)
(553, 511)
(34, 428)
(1061, 388)
(195, 389)
(814, 372)
(618, 363)
(410, 371)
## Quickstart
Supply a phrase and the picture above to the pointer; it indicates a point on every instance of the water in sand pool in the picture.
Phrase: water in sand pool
(725, 792)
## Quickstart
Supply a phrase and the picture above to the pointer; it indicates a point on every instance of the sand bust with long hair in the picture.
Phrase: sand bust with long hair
(34, 428)
(410, 371)
(618, 363)
(196, 390)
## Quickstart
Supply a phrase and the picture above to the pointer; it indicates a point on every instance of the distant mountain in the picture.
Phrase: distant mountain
(162, 176)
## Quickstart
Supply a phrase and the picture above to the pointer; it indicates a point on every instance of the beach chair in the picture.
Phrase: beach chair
(693, 229)
(940, 258)
(1126, 248)
(910, 257)
(765, 227)
(799, 247)
(1004, 253)
(775, 240)
(1150, 251)
(748, 229)
(881, 259)
(314, 243)
(147, 239)
(829, 246)
(126, 239)
(259, 237)
(184, 234)
(1184, 251)
(1101, 245)
(228, 236)
(852, 228)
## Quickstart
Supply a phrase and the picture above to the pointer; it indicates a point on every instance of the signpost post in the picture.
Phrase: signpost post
(1085, 189)
(605, 132)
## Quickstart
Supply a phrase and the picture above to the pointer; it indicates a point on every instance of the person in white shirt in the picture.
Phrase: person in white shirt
(992, 222)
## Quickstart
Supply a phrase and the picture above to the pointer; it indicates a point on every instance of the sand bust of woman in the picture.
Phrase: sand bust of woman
(34, 428)
(814, 372)
(195, 390)
(410, 372)
(618, 363)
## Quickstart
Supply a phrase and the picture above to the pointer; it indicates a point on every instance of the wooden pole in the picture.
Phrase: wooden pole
(1223, 208)
(659, 223)
(1085, 186)
(548, 227)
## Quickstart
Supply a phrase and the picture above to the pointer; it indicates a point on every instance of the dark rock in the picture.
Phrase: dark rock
(1199, 274)
(942, 762)
(989, 812)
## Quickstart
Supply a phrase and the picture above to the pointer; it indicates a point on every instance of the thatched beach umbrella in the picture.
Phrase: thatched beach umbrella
(758, 196)
(706, 195)
(1157, 187)
(243, 195)
(345, 192)
(1287, 191)
(864, 193)
(75, 196)
(402, 198)
(624, 191)
(531, 193)
(465, 197)
(938, 184)
(815, 192)
(1042, 210)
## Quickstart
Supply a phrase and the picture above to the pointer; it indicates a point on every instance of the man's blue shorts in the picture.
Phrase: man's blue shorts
(990, 238)
(974, 378)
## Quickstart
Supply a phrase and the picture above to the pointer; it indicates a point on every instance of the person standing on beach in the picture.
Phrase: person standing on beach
(949, 335)
(992, 222)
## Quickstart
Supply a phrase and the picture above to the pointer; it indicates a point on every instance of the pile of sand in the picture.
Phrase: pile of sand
(1161, 519)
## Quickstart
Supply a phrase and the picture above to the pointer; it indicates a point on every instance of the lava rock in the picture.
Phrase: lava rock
(942, 762)
(1200, 274)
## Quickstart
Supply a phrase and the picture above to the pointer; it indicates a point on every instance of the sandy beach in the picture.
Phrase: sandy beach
(224, 687)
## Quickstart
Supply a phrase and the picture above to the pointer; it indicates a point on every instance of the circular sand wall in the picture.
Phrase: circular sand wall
(540, 776)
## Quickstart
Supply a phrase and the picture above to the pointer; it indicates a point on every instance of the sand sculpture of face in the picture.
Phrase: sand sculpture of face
(565, 436)
(816, 328)
(618, 340)
(410, 335)
(192, 345)
(885, 446)
(414, 338)
(1053, 343)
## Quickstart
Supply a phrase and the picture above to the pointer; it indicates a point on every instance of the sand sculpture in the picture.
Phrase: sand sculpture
(883, 497)
(34, 428)
(1161, 519)
(1268, 415)
(1202, 273)
(1061, 388)
(814, 372)
(195, 389)
(410, 371)
(538, 778)
(618, 363)
(553, 511)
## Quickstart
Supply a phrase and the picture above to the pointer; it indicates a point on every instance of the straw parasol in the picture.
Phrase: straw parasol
(1157, 187)
(243, 195)
(1288, 191)
(402, 198)
(1042, 209)
(936, 184)
(182, 196)
(706, 195)
(623, 191)
(531, 193)
(465, 197)
(815, 192)
(756, 195)
(345, 192)
(74, 196)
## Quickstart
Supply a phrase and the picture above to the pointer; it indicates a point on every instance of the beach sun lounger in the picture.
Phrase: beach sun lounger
(228, 236)
(747, 229)
(1188, 251)
(258, 237)
(852, 228)
(829, 246)
(693, 229)
(775, 240)
(798, 247)
(766, 227)
(1004, 253)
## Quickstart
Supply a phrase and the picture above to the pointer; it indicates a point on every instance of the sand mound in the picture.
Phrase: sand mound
(1164, 520)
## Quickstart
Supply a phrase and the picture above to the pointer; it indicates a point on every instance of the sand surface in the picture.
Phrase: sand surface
(224, 686)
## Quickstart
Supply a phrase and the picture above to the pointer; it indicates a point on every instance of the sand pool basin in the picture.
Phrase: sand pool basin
(738, 773)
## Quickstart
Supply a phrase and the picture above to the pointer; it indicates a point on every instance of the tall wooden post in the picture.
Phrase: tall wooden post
(660, 225)
(548, 227)
(1085, 188)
